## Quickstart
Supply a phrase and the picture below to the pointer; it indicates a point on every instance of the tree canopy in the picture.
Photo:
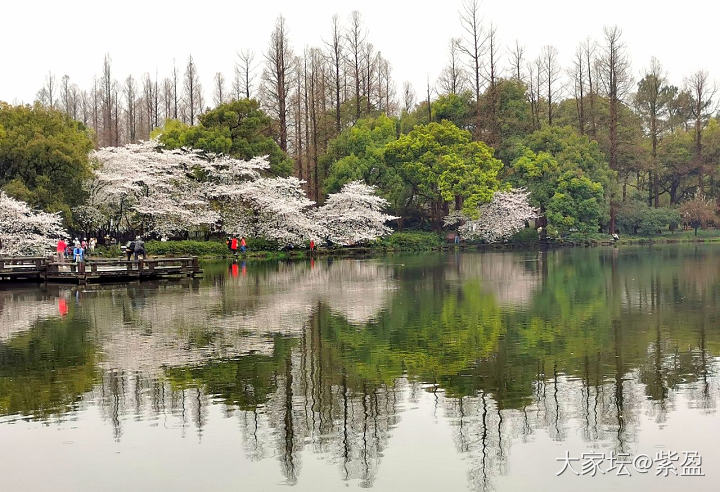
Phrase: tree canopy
(440, 164)
(43, 157)
(238, 128)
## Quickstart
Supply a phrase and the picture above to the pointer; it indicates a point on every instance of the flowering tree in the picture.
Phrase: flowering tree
(354, 215)
(24, 231)
(505, 215)
(167, 188)
(271, 208)
(698, 212)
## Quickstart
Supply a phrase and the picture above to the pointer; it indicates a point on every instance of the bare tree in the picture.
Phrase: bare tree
(651, 102)
(550, 76)
(147, 99)
(615, 75)
(517, 56)
(85, 109)
(491, 76)
(386, 90)
(46, 95)
(277, 78)
(156, 103)
(65, 94)
(701, 93)
(453, 77)
(578, 73)
(428, 102)
(243, 80)
(408, 97)
(589, 49)
(614, 67)
(356, 40)
(219, 95)
(336, 48)
(533, 92)
(74, 102)
(193, 94)
(107, 101)
(369, 66)
(95, 105)
(174, 82)
(474, 43)
(167, 98)
(130, 116)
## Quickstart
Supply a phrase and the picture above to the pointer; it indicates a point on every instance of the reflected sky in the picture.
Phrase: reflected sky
(462, 371)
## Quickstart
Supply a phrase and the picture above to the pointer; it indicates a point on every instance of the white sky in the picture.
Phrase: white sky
(72, 36)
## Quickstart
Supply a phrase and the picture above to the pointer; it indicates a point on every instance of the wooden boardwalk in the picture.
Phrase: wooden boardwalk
(44, 269)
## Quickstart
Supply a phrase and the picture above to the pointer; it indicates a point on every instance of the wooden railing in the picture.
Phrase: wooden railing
(96, 269)
(16, 262)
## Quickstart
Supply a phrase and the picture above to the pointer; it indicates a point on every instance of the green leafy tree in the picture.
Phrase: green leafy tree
(677, 166)
(577, 206)
(238, 128)
(358, 153)
(440, 164)
(636, 217)
(514, 116)
(457, 108)
(43, 157)
(551, 156)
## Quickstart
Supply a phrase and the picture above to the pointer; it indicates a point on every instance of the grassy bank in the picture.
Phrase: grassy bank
(407, 241)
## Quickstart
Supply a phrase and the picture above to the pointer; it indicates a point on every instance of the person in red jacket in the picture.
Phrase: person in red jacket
(234, 245)
(61, 245)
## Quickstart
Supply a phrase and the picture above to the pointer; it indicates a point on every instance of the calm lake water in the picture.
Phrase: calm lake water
(471, 371)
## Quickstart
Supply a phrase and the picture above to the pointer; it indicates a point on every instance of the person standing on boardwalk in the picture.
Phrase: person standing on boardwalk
(139, 248)
(61, 245)
(243, 245)
(129, 249)
(234, 246)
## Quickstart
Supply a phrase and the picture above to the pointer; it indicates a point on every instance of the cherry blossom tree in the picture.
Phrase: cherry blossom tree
(162, 191)
(354, 215)
(24, 231)
(497, 220)
(275, 209)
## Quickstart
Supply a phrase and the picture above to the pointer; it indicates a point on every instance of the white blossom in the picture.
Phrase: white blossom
(168, 187)
(24, 231)
(354, 215)
(505, 215)
(271, 208)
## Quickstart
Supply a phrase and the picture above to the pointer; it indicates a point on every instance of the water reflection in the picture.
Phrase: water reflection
(325, 360)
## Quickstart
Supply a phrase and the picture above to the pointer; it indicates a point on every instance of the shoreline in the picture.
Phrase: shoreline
(371, 251)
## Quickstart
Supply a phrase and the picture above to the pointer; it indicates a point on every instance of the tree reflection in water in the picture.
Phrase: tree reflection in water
(325, 357)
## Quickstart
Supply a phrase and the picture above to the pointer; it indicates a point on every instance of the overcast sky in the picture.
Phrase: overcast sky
(72, 36)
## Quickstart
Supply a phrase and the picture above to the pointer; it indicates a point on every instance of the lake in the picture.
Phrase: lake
(583, 368)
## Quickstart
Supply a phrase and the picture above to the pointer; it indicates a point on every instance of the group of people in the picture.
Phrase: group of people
(77, 251)
(136, 248)
(234, 244)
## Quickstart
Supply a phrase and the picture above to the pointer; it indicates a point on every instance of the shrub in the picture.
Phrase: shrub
(526, 235)
(411, 240)
(636, 217)
(186, 248)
